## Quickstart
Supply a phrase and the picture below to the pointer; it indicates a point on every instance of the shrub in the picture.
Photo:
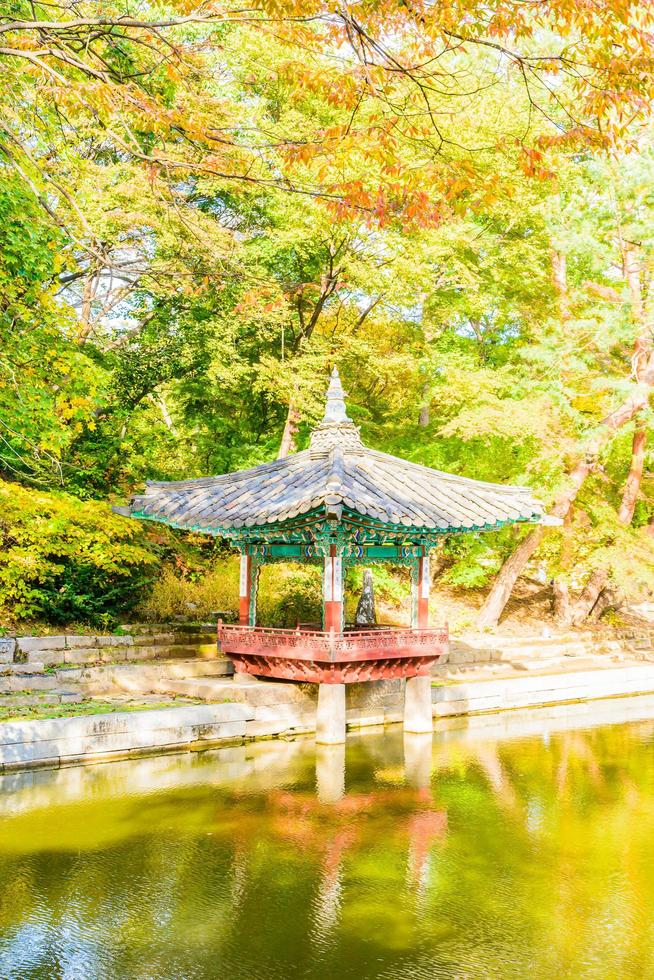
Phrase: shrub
(197, 595)
(287, 593)
(65, 560)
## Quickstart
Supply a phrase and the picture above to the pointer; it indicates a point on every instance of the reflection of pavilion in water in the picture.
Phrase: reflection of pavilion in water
(333, 824)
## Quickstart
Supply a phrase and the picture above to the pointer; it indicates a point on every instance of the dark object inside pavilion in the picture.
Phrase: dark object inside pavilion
(337, 503)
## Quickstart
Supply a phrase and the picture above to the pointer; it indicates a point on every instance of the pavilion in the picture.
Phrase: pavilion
(337, 503)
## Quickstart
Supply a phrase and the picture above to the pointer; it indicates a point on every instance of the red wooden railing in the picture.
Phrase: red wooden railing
(390, 641)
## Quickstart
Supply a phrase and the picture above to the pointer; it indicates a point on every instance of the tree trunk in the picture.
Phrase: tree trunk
(593, 594)
(597, 583)
(561, 606)
(423, 417)
(560, 280)
(288, 444)
(515, 563)
(589, 597)
(632, 484)
(608, 598)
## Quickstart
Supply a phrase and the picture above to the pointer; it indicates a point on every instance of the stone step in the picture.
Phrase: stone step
(9, 670)
(502, 693)
(133, 677)
(566, 649)
(252, 692)
(534, 639)
(17, 683)
(118, 654)
(44, 700)
(154, 677)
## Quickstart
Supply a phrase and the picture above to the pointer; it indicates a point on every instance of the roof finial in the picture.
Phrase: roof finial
(335, 410)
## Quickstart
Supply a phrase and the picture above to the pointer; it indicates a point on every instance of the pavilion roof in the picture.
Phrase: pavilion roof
(339, 478)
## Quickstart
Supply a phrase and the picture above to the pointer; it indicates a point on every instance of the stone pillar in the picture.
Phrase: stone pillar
(423, 593)
(330, 714)
(332, 592)
(418, 711)
(330, 772)
(245, 591)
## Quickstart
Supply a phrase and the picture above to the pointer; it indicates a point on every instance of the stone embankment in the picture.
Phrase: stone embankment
(69, 668)
(484, 673)
(57, 741)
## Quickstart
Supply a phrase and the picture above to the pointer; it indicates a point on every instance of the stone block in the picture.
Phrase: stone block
(47, 657)
(7, 649)
(81, 641)
(164, 639)
(147, 652)
(21, 754)
(33, 644)
(14, 683)
(32, 667)
(199, 718)
(114, 641)
(225, 729)
(285, 716)
(418, 705)
(142, 640)
(263, 729)
(112, 655)
(82, 655)
(330, 714)
(206, 650)
(356, 718)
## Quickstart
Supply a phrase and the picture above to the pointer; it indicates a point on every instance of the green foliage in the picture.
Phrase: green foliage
(472, 559)
(62, 560)
(164, 322)
(287, 593)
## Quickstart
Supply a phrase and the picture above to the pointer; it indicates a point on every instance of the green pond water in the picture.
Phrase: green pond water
(515, 847)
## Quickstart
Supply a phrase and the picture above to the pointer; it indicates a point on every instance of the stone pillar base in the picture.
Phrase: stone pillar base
(330, 714)
(418, 711)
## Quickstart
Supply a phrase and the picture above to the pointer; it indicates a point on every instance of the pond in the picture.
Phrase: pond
(510, 847)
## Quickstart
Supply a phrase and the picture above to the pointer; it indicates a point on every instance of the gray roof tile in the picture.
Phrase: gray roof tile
(336, 469)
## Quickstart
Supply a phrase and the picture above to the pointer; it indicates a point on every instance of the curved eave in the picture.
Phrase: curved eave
(366, 486)
(352, 518)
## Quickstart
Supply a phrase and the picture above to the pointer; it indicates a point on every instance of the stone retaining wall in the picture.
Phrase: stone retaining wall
(474, 648)
(269, 709)
(74, 650)
(63, 741)
(464, 698)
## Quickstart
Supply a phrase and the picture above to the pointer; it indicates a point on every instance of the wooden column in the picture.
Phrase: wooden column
(245, 591)
(332, 591)
(423, 593)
